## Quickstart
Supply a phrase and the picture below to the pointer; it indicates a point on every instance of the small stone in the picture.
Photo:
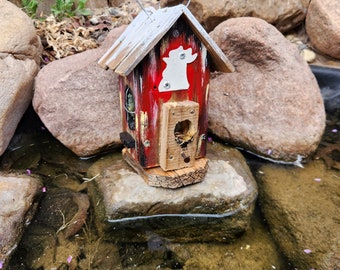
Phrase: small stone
(308, 55)
(94, 21)
(114, 12)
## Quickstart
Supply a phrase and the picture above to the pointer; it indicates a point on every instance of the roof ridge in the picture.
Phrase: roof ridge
(146, 30)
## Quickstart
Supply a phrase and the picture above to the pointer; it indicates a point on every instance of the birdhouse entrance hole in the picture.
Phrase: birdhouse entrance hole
(184, 133)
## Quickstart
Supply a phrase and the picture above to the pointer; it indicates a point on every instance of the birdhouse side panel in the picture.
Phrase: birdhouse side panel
(144, 127)
(149, 101)
(129, 106)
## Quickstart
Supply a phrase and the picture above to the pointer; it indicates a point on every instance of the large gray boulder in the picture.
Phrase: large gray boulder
(323, 26)
(78, 101)
(271, 105)
(20, 51)
(285, 15)
(18, 195)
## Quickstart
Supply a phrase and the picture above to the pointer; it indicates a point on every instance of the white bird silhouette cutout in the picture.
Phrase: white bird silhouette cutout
(174, 76)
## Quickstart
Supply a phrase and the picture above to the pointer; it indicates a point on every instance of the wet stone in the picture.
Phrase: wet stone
(52, 240)
(217, 209)
(18, 200)
(301, 206)
(63, 210)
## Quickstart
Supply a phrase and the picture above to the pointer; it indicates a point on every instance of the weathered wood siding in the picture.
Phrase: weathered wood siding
(144, 81)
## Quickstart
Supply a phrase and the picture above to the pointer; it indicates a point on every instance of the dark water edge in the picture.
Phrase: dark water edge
(329, 83)
(34, 147)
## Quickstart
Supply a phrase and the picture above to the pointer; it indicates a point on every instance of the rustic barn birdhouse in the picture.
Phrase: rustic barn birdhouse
(164, 59)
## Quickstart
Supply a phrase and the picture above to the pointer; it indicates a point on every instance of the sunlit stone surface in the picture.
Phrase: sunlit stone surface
(218, 209)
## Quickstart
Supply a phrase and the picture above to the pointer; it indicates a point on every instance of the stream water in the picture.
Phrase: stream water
(33, 147)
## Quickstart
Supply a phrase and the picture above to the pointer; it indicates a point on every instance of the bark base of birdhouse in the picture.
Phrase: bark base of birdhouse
(170, 179)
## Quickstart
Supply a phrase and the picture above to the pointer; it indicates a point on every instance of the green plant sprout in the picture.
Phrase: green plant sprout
(30, 7)
(66, 8)
(81, 9)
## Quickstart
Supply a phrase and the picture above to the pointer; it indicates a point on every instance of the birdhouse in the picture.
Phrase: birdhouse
(163, 60)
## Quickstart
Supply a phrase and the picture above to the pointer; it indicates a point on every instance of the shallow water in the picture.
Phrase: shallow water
(58, 167)
(35, 149)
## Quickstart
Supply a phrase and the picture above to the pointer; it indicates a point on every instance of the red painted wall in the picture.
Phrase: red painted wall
(144, 81)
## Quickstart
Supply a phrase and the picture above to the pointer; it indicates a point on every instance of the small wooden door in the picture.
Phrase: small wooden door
(178, 134)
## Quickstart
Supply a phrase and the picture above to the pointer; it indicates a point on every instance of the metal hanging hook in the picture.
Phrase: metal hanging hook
(143, 8)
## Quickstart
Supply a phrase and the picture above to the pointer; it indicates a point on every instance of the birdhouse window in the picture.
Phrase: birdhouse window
(130, 108)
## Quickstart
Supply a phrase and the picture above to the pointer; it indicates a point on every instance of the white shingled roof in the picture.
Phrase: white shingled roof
(146, 30)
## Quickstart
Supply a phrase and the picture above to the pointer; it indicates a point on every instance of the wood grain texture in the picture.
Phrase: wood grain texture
(170, 179)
